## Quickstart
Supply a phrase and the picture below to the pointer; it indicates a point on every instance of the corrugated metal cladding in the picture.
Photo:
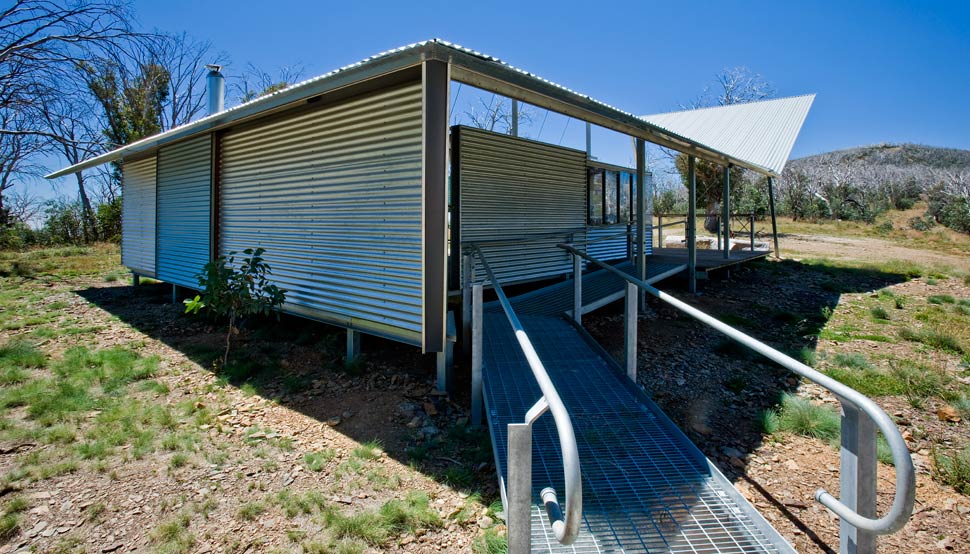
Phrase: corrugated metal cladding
(138, 216)
(512, 188)
(184, 201)
(334, 196)
(608, 249)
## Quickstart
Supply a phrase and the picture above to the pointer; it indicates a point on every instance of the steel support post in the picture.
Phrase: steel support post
(642, 192)
(476, 355)
(726, 211)
(660, 231)
(135, 279)
(720, 235)
(630, 326)
(353, 345)
(589, 140)
(519, 488)
(515, 117)
(691, 225)
(751, 229)
(175, 294)
(857, 478)
(771, 206)
(577, 289)
(467, 278)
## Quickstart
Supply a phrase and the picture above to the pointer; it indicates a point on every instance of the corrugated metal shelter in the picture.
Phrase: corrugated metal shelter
(344, 180)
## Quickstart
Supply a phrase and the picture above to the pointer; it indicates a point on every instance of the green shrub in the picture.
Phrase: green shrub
(879, 313)
(854, 360)
(941, 299)
(953, 470)
(802, 417)
(236, 291)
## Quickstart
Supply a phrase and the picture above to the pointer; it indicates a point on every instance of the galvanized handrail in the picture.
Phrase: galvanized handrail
(566, 527)
(902, 506)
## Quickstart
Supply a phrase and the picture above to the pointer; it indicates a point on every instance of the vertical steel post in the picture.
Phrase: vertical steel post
(691, 225)
(642, 192)
(175, 294)
(660, 231)
(589, 141)
(751, 229)
(519, 488)
(135, 279)
(771, 206)
(726, 209)
(477, 354)
(630, 326)
(353, 345)
(717, 225)
(857, 478)
(436, 77)
(515, 117)
(577, 289)
(467, 278)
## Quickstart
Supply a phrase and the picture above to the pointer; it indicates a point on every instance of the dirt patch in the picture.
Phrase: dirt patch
(868, 250)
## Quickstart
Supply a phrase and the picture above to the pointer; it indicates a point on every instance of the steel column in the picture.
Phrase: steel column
(641, 263)
(519, 488)
(630, 326)
(691, 225)
(476, 355)
(467, 278)
(135, 279)
(857, 478)
(726, 211)
(175, 294)
(660, 231)
(434, 102)
(515, 117)
(771, 206)
(751, 229)
(353, 345)
(577, 290)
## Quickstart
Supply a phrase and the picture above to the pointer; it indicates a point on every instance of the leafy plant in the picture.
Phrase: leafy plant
(236, 291)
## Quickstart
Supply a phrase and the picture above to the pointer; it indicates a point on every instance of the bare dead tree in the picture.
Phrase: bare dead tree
(185, 59)
(18, 158)
(496, 115)
(254, 82)
(734, 85)
(22, 207)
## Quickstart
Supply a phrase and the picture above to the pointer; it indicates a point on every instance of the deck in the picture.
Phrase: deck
(646, 487)
(707, 260)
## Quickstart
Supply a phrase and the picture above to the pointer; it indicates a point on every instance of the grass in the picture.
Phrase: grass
(914, 381)
(934, 338)
(941, 299)
(296, 504)
(10, 520)
(851, 360)
(317, 461)
(410, 514)
(370, 450)
(366, 526)
(251, 510)
(802, 417)
(173, 536)
(953, 470)
(879, 313)
(490, 542)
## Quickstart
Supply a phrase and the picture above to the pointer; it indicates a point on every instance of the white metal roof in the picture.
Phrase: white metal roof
(761, 133)
(467, 65)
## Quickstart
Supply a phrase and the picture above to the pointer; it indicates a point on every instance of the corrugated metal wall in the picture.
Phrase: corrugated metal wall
(512, 187)
(610, 249)
(138, 216)
(184, 201)
(334, 196)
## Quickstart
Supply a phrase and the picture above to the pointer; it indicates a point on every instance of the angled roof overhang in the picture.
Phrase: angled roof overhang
(466, 66)
(762, 133)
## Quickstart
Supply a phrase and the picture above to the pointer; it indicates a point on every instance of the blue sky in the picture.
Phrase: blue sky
(883, 71)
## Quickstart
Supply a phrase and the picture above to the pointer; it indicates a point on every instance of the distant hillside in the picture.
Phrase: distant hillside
(898, 155)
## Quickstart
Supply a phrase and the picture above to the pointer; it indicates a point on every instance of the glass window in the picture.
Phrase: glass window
(596, 197)
(610, 197)
(625, 215)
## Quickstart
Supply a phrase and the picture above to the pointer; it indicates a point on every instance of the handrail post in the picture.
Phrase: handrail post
(519, 488)
(468, 277)
(660, 231)
(751, 229)
(630, 334)
(857, 478)
(577, 289)
(476, 355)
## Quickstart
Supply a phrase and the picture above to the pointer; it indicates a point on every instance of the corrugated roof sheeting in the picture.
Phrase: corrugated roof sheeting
(761, 133)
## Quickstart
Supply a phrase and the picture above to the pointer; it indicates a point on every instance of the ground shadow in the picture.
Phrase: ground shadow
(387, 396)
(715, 390)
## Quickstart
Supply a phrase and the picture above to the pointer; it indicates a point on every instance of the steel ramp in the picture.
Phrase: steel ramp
(646, 487)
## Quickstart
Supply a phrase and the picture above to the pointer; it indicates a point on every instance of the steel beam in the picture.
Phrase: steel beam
(771, 206)
(691, 225)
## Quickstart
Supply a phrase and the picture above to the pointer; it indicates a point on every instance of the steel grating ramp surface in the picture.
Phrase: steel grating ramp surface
(646, 487)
